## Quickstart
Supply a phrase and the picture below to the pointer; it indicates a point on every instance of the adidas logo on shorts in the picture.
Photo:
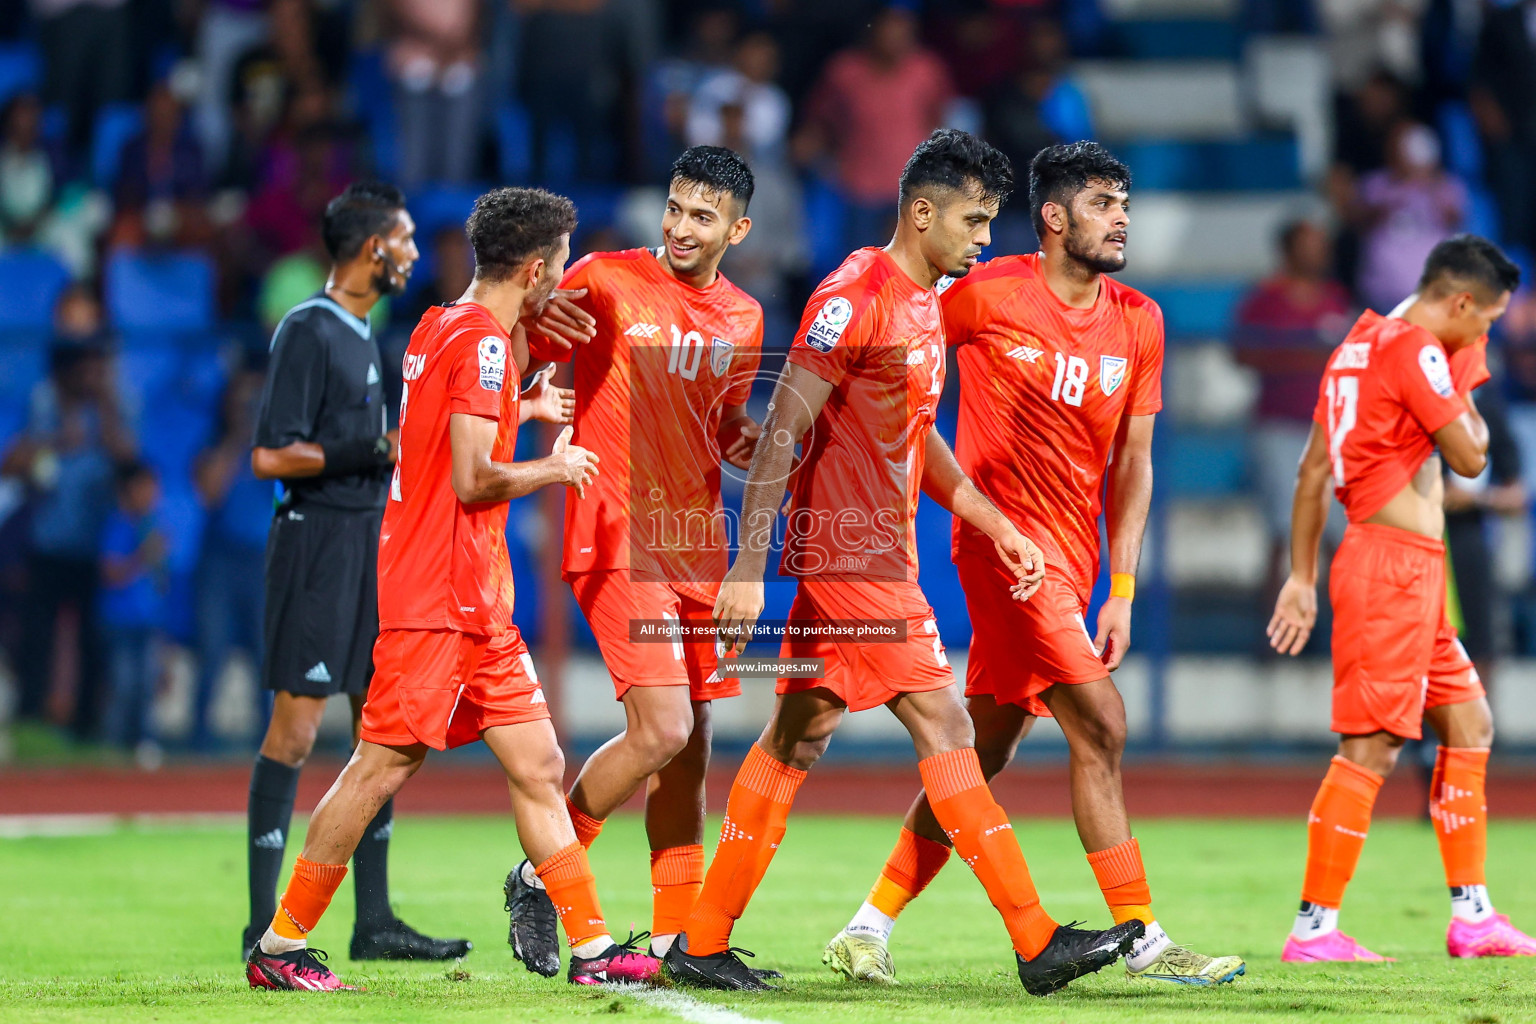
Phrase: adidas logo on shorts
(318, 674)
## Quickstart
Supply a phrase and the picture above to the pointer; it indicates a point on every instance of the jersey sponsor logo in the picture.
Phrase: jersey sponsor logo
(1353, 355)
(493, 362)
(318, 674)
(942, 284)
(1111, 373)
(720, 355)
(373, 374)
(830, 323)
(646, 331)
(1436, 370)
(1025, 354)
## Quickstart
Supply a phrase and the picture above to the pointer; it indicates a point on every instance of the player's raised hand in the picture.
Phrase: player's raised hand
(1024, 560)
(738, 452)
(1114, 637)
(579, 466)
(565, 323)
(736, 611)
(1295, 615)
(544, 401)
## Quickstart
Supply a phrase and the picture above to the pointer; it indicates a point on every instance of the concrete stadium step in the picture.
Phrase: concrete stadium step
(1127, 10)
(1210, 236)
(1184, 99)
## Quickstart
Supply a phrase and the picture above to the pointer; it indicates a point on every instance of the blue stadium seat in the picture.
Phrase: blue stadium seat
(116, 123)
(1463, 145)
(32, 282)
(514, 142)
(160, 291)
(21, 69)
(1205, 463)
(1178, 39)
(1270, 162)
(1202, 309)
(438, 206)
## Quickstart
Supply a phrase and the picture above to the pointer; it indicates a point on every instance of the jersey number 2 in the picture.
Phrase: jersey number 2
(1343, 405)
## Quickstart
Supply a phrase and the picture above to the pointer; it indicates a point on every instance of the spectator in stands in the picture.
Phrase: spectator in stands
(1364, 120)
(453, 267)
(161, 186)
(1401, 211)
(983, 44)
(132, 610)
(673, 83)
(1285, 329)
(749, 86)
(87, 60)
(776, 250)
(230, 567)
(27, 173)
(1364, 35)
(874, 104)
(433, 55)
(306, 162)
(1503, 99)
(76, 432)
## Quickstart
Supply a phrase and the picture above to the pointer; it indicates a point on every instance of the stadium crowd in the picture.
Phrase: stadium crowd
(163, 166)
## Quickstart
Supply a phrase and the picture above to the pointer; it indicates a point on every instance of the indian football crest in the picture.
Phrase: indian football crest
(1111, 373)
(720, 355)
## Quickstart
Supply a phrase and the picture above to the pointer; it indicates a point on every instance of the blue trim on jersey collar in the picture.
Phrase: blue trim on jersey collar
(364, 327)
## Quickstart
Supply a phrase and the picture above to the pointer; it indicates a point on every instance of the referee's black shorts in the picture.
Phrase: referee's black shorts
(322, 600)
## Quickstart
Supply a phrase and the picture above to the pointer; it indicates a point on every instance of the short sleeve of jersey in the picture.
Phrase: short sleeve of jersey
(579, 275)
(837, 325)
(1422, 378)
(744, 369)
(962, 304)
(477, 372)
(295, 388)
(1147, 385)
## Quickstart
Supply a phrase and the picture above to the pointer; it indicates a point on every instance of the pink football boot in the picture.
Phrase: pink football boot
(299, 971)
(1494, 936)
(1326, 948)
(620, 962)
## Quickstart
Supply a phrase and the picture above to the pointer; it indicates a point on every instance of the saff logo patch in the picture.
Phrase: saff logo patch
(1111, 373)
(493, 363)
(831, 320)
(1436, 370)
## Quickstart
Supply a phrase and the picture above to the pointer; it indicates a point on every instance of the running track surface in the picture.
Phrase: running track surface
(1152, 790)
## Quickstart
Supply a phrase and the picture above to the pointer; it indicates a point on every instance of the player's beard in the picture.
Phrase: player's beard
(1095, 260)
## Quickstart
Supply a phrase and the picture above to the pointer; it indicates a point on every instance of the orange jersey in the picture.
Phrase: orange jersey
(1043, 389)
(1388, 387)
(876, 336)
(443, 564)
(667, 360)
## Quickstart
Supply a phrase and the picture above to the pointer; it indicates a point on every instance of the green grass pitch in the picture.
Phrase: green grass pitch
(142, 924)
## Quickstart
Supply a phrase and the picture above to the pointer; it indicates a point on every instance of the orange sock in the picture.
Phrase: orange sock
(309, 892)
(1336, 828)
(1458, 805)
(677, 875)
(964, 807)
(755, 819)
(914, 863)
(1123, 880)
(586, 826)
(568, 878)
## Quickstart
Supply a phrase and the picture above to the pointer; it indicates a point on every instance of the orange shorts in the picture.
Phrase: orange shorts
(1394, 651)
(865, 675)
(611, 599)
(444, 688)
(1019, 649)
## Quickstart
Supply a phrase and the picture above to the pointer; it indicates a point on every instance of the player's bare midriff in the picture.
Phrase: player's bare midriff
(1420, 506)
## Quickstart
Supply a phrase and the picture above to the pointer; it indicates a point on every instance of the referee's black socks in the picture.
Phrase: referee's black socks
(370, 870)
(268, 814)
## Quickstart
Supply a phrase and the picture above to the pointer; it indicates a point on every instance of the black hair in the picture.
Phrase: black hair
(364, 209)
(509, 225)
(1286, 237)
(1057, 173)
(130, 471)
(715, 169)
(1471, 263)
(958, 161)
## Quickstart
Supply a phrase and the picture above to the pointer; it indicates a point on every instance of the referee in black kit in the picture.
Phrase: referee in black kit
(323, 431)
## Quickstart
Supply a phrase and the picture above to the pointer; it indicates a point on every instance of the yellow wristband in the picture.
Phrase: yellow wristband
(1122, 584)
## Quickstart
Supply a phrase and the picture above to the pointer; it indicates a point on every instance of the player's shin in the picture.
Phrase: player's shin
(1458, 807)
(567, 877)
(1336, 831)
(913, 863)
(756, 816)
(1122, 879)
(303, 903)
(677, 876)
(983, 837)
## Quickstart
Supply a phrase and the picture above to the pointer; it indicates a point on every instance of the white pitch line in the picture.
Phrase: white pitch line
(685, 1006)
(54, 826)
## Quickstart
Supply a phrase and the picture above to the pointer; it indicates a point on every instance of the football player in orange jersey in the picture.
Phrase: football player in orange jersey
(1060, 378)
(661, 391)
(1395, 390)
(451, 667)
(859, 394)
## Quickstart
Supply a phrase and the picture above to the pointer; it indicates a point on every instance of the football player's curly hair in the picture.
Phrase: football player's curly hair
(510, 225)
(955, 161)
